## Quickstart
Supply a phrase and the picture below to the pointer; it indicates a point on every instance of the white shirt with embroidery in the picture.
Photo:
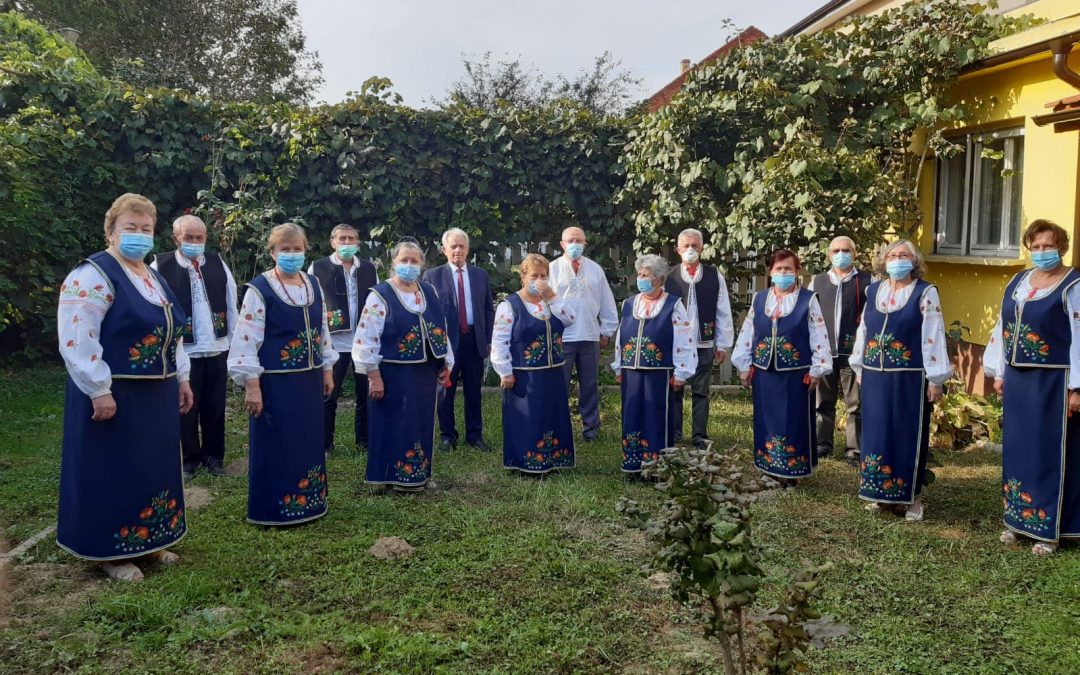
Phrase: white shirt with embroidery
(86, 296)
(725, 325)
(820, 354)
(935, 352)
(368, 339)
(994, 360)
(588, 296)
(205, 342)
(684, 349)
(342, 340)
(501, 359)
(837, 288)
(243, 356)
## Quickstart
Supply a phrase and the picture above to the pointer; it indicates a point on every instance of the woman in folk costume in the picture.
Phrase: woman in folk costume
(527, 353)
(281, 354)
(782, 352)
(121, 338)
(902, 363)
(401, 344)
(1034, 358)
(654, 356)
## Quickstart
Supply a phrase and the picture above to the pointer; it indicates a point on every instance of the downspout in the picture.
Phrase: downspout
(1061, 49)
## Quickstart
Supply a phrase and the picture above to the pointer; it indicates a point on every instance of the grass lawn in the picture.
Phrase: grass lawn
(513, 574)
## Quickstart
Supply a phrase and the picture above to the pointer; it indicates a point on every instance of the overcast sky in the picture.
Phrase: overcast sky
(418, 43)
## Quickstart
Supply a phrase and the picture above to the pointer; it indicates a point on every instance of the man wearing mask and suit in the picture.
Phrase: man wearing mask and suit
(465, 294)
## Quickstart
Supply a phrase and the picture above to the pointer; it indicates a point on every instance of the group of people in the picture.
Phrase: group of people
(150, 348)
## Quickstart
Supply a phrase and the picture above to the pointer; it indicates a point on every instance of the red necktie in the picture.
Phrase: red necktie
(195, 264)
(462, 317)
(692, 270)
(576, 265)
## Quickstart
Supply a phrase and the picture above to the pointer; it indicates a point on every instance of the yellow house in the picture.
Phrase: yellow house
(975, 206)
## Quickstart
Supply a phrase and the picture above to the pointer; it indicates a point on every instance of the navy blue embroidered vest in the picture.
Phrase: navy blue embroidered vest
(1037, 333)
(782, 343)
(138, 338)
(894, 340)
(534, 343)
(215, 281)
(332, 279)
(291, 342)
(706, 295)
(407, 336)
(647, 343)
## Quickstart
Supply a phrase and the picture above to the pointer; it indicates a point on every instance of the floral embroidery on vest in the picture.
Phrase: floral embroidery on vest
(650, 353)
(786, 353)
(409, 345)
(144, 352)
(708, 331)
(296, 350)
(878, 480)
(896, 352)
(780, 456)
(310, 495)
(415, 467)
(160, 522)
(635, 450)
(334, 319)
(218, 319)
(1028, 341)
(535, 352)
(848, 342)
(1018, 508)
(557, 348)
(437, 336)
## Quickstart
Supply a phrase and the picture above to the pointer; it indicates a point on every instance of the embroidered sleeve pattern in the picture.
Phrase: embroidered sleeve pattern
(85, 298)
(500, 340)
(243, 359)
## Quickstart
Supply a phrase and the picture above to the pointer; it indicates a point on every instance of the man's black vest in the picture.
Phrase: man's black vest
(707, 294)
(336, 294)
(213, 274)
(853, 299)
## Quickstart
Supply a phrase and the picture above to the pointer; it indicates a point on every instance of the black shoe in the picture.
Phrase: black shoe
(589, 436)
(851, 456)
(446, 445)
(188, 475)
(216, 470)
(824, 451)
(700, 443)
(481, 446)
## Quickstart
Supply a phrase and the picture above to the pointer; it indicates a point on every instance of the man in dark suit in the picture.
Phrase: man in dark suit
(465, 293)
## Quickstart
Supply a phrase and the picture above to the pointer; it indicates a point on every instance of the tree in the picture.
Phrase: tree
(231, 50)
(606, 88)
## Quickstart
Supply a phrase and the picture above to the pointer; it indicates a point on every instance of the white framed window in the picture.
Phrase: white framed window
(980, 195)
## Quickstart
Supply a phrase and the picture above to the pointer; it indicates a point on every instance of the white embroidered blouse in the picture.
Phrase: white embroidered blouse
(85, 299)
(820, 353)
(684, 351)
(243, 356)
(935, 352)
(501, 360)
(368, 338)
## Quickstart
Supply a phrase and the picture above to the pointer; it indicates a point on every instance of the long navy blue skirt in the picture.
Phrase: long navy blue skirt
(402, 428)
(895, 438)
(537, 434)
(1040, 460)
(121, 482)
(785, 437)
(648, 417)
(287, 462)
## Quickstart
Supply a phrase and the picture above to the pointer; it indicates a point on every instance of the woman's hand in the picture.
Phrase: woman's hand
(253, 397)
(104, 408)
(508, 382)
(677, 385)
(546, 291)
(811, 382)
(376, 388)
(999, 388)
(747, 378)
(1074, 402)
(327, 383)
(618, 378)
(187, 398)
(934, 393)
(444, 377)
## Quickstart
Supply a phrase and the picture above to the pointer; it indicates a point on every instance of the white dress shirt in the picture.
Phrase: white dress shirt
(820, 354)
(468, 291)
(85, 298)
(935, 353)
(838, 289)
(501, 359)
(588, 296)
(684, 351)
(367, 343)
(994, 360)
(725, 326)
(342, 340)
(205, 342)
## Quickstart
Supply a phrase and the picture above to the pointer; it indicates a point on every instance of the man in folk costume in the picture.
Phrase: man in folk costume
(842, 293)
(584, 289)
(345, 281)
(704, 293)
(206, 291)
(465, 295)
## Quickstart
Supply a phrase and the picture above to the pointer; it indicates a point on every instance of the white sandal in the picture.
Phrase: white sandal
(914, 516)
(1044, 548)
(164, 557)
(873, 507)
(1007, 537)
(123, 571)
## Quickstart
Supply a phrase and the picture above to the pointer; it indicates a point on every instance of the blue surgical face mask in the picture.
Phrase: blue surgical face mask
(690, 256)
(192, 251)
(898, 269)
(135, 245)
(575, 250)
(347, 251)
(290, 263)
(533, 289)
(783, 281)
(406, 272)
(1046, 260)
(645, 285)
(841, 261)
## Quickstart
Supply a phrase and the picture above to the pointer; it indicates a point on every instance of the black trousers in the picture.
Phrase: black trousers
(700, 386)
(360, 420)
(202, 430)
(469, 370)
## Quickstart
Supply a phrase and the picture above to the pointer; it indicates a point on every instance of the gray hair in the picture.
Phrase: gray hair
(454, 232)
(691, 232)
(184, 220)
(653, 263)
(844, 238)
(343, 227)
(407, 246)
(918, 270)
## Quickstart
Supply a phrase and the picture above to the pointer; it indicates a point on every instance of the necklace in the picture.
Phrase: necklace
(288, 294)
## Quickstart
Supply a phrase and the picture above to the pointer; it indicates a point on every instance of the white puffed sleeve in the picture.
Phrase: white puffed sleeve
(501, 360)
(725, 324)
(935, 351)
(243, 359)
(329, 354)
(1072, 304)
(742, 357)
(563, 311)
(368, 338)
(684, 353)
(821, 363)
(85, 298)
(994, 356)
(616, 364)
(855, 361)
